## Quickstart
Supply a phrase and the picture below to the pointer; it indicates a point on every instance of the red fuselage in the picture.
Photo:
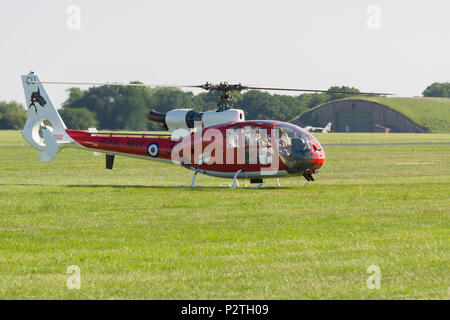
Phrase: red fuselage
(299, 152)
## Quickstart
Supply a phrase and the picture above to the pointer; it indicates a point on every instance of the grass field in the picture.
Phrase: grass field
(135, 236)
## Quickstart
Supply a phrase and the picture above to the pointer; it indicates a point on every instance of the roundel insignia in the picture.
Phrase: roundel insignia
(153, 149)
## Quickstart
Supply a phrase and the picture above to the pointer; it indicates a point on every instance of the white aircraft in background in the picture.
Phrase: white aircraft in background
(325, 129)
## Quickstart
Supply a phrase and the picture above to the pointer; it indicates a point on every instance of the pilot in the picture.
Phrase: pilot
(232, 138)
(263, 139)
(284, 139)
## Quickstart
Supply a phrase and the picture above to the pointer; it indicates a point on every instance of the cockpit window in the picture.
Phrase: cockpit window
(255, 140)
(289, 131)
(247, 136)
(296, 147)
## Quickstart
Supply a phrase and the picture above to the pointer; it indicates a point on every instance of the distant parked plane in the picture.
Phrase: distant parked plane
(325, 129)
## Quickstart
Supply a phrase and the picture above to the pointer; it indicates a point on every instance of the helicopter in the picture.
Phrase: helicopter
(220, 143)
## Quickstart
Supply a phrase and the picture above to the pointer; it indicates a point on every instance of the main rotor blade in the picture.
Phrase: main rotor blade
(117, 84)
(315, 90)
(209, 86)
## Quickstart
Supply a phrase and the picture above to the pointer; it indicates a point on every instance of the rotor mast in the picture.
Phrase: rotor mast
(225, 99)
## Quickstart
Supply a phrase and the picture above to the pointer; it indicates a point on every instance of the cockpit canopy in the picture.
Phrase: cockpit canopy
(295, 145)
(296, 148)
(290, 132)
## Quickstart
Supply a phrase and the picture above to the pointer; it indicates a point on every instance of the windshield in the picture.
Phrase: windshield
(295, 147)
(289, 131)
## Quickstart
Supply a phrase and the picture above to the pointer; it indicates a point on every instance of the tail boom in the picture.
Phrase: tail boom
(150, 148)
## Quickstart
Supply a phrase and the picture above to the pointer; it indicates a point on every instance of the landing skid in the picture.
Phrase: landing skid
(258, 186)
(192, 183)
(232, 186)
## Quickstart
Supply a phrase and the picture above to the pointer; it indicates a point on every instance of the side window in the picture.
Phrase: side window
(264, 147)
(233, 137)
(250, 135)
(256, 142)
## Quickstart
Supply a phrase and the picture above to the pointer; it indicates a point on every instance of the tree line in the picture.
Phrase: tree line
(126, 108)
(437, 90)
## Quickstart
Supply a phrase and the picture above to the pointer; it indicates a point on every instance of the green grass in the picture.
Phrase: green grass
(430, 113)
(134, 236)
(359, 137)
(11, 138)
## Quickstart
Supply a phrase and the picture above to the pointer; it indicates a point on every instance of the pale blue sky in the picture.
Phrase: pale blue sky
(309, 44)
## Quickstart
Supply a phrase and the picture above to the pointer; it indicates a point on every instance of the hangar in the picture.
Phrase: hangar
(358, 115)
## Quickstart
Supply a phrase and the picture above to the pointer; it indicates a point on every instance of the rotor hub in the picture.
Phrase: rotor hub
(225, 99)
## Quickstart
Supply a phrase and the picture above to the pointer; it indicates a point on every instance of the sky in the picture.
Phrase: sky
(385, 46)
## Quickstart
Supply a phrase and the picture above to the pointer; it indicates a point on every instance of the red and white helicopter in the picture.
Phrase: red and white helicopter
(219, 142)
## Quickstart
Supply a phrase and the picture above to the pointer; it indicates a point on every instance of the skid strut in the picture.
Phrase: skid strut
(233, 186)
(193, 178)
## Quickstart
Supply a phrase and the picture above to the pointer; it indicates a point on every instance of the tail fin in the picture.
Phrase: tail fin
(327, 127)
(47, 139)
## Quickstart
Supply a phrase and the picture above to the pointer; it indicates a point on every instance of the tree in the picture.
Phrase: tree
(12, 115)
(78, 118)
(126, 108)
(74, 95)
(437, 89)
(257, 105)
(350, 91)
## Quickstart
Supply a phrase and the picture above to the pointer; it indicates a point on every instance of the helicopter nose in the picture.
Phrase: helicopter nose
(318, 155)
(299, 158)
(320, 159)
